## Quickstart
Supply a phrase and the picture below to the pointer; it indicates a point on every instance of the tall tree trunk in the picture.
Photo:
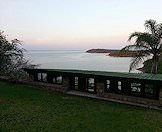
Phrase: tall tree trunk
(154, 68)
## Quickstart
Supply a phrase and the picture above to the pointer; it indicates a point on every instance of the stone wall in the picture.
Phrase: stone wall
(64, 87)
(100, 86)
(41, 85)
(139, 100)
(100, 89)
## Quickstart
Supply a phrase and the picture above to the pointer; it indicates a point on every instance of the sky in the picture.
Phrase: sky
(75, 24)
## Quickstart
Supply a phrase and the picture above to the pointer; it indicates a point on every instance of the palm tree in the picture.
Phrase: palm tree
(146, 44)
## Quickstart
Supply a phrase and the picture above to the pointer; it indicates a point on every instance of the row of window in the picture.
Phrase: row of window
(89, 81)
(108, 85)
(135, 88)
(43, 77)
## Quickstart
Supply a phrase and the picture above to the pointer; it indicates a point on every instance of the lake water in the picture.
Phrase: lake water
(78, 60)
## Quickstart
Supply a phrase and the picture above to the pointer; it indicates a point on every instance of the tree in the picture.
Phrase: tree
(147, 44)
(12, 58)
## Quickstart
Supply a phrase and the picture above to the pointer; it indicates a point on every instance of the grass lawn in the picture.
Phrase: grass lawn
(25, 109)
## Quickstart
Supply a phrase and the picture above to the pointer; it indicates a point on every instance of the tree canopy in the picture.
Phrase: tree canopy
(147, 44)
(11, 57)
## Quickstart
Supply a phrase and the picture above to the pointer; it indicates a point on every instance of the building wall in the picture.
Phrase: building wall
(160, 97)
(100, 89)
(100, 86)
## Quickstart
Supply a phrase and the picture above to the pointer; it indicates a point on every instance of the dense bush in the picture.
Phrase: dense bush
(12, 60)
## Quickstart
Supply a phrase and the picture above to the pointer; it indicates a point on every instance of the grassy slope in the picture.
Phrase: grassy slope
(23, 108)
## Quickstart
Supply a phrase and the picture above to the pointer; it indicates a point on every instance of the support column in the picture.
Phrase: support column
(82, 84)
(100, 87)
(35, 76)
(66, 83)
(160, 96)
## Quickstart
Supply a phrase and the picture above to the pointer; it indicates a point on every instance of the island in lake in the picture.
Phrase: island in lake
(114, 52)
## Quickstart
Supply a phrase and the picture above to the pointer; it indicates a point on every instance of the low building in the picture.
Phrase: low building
(137, 88)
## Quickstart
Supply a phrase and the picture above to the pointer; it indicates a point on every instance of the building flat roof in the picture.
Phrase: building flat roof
(145, 76)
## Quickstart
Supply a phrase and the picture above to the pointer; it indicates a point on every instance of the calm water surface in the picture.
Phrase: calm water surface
(78, 60)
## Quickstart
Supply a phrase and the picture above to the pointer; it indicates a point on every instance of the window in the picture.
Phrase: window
(136, 89)
(107, 85)
(90, 84)
(119, 85)
(76, 83)
(57, 80)
(39, 76)
(149, 90)
(54, 80)
(44, 77)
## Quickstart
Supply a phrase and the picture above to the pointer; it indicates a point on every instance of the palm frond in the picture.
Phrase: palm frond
(135, 63)
(151, 25)
(140, 57)
(128, 47)
(146, 43)
(159, 31)
(144, 40)
(135, 34)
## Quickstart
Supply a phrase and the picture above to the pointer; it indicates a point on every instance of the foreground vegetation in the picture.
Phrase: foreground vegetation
(12, 59)
(148, 65)
(23, 108)
(147, 44)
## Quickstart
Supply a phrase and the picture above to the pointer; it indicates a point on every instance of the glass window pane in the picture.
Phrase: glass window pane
(76, 83)
(44, 77)
(90, 84)
(39, 76)
(136, 87)
(59, 80)
(119, 85)
(107, 85)
(54, 80)
(149, 89)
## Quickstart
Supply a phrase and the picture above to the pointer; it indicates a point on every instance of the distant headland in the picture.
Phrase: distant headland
(102, 51)
(113, 52)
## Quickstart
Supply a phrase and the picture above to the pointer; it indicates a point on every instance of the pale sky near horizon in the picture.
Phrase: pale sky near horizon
(75, 24)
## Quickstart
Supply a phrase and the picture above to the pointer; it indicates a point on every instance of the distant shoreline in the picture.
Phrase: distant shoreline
(102, 51)
(113, 52)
